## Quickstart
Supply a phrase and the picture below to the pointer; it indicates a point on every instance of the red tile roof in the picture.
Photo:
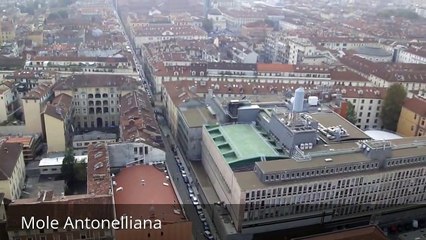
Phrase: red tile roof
(146, 191)
(60, 106)
(137, 120)
(9, 156)
(41, 90)
(416, 105)
(98, 172)
(274, 67)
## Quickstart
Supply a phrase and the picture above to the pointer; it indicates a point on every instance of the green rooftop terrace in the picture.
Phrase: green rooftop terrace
(240, 143)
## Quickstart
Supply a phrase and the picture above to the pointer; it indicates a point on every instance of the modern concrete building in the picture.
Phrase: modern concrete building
(190, 122)
(52, 166)
(81, 141)
(289, 169)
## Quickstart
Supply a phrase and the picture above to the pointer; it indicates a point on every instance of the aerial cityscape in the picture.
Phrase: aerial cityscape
(213, 119)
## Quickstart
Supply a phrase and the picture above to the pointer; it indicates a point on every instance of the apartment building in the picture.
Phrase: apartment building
(236, 18)
(25, 80)
(9, 100)
(95, 98)
(298, 49)
(414, 54)
(12, 166)
(7, 30)
(367, 105)
(80, 142)
(412, 120)
(386, 74)
(256, 31)
(217, 19)
(118, 64)
(57, 123)
(164, 32)
(33, 103)
(140, 136)
(344, 43)
(271, 175)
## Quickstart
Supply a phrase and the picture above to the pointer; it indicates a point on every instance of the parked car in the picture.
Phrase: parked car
(195, 200)
(202, 217)
(190, 190)
(206, 226)
(185, 178)
(208, 234)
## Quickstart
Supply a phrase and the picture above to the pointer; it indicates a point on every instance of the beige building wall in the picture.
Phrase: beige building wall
(3, 110)
(36, 38)
(32, 115)
(409, 123)
(55, 134)
(12, 188)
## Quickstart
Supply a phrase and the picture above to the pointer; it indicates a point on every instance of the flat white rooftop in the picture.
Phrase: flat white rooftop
(45, 162)
(382, 135)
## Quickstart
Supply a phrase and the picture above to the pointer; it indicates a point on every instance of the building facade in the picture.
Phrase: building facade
(96, 98)
(362, 177)
(412, 119)
(12, 177)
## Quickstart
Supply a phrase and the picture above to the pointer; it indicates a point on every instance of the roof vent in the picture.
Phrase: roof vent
(328, 159)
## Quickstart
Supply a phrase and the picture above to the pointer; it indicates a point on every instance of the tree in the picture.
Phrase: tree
(80, 171)
(67, 168)
(351, 114)
(392, 106)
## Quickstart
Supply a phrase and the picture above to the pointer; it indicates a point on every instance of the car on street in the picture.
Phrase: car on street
(185, 178)
(208, 235)
(195, 200)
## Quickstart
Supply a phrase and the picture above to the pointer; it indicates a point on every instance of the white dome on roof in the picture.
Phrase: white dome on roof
(382, 135)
